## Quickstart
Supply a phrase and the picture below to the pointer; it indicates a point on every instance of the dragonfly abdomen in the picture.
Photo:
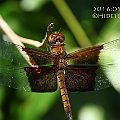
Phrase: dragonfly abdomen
(64, 94)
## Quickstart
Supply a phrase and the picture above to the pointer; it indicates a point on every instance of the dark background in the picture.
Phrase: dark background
(31, 23)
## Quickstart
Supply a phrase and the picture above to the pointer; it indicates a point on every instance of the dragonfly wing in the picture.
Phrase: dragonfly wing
(39, 58)
(102, 54)
(42, 79)
(85, 56)
(106, 57)
(80, 79)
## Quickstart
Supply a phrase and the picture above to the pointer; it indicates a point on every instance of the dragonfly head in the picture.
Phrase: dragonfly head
(56, 37)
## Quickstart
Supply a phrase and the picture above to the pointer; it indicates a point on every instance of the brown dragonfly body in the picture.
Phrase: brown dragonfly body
(58, 57)
(59, 50)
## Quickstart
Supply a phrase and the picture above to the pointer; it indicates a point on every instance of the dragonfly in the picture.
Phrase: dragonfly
(87, 69)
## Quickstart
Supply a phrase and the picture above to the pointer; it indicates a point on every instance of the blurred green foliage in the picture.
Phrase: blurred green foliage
(29, 18)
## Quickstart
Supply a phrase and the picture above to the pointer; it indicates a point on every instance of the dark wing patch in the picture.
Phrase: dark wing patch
(80, 79)
(42, 79)
(85, 56)
(39, 58)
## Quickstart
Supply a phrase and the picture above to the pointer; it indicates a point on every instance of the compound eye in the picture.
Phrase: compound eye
(62, 37)
(52, 37)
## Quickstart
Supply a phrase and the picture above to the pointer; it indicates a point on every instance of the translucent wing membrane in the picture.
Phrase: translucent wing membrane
(9, 52)
(109, 59)
(101, 79)
(14, 77)
(12, 73)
